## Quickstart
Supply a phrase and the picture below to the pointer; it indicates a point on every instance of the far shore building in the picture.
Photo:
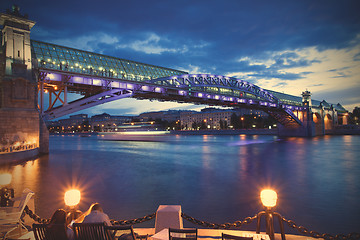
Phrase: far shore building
(107, 123)
(169, 116)
(213, 118)
(74, 122)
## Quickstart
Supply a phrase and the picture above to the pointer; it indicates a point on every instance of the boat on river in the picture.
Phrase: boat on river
(141, 136)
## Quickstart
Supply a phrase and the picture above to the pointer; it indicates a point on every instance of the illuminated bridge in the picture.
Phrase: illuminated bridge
(99, 79)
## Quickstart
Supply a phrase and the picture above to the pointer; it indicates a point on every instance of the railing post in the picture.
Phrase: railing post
(168, 216)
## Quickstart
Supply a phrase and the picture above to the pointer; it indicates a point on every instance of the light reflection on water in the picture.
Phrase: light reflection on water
(214, 178)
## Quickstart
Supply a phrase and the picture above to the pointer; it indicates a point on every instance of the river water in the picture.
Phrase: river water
(214, 178)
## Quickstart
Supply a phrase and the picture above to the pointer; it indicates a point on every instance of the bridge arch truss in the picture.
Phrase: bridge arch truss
(216, 84)
(190, 88)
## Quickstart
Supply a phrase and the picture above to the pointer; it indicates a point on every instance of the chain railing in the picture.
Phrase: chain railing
(314, 234)
(292, 224)
(35, 217)
(134, 221)
(236, 224)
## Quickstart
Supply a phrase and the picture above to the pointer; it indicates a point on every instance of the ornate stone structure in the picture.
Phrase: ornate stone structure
(19, 115)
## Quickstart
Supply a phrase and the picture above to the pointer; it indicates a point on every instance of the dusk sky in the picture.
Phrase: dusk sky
(285, 46)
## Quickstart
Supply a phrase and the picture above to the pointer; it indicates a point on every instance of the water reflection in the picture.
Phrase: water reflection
(24, 175)
(215, 178)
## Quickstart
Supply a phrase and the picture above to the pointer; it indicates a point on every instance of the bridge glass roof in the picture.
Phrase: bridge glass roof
(51, 56)
(287, 99)
(57, 57)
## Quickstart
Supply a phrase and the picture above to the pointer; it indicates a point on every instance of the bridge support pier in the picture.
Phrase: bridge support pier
(307, 129)
(23, 134)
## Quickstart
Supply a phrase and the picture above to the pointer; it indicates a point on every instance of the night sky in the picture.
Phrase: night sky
(286, 46)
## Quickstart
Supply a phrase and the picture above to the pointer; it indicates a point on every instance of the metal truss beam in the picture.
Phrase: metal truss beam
(208, 80)
(183, 88)
(86, 102)
(285, 117)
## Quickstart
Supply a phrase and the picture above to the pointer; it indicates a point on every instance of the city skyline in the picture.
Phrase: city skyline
(283, 46)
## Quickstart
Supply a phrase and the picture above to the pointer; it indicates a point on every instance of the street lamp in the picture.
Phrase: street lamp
(72, 199)
(6, 193)
(268, 198)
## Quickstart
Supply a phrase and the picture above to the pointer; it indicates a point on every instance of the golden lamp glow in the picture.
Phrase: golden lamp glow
(268, 197)
(5, 179)
(72, 197)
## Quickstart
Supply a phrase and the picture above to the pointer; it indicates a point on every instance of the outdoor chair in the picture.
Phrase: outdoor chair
(182, 234)
(126, 231)
(10, 217)
(42, 232)
(91, 231)
(232, 237)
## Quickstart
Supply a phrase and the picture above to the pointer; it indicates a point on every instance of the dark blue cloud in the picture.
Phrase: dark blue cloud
(357, 57)
(338, 69)
(277, 75)
(291, 60)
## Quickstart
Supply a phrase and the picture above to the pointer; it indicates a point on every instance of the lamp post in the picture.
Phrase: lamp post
(268, 198)
(72, 199)
(6, 193)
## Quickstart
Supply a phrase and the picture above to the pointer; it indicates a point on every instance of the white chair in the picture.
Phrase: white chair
(10, 217)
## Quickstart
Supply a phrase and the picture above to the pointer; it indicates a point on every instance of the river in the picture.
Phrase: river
(213, 177)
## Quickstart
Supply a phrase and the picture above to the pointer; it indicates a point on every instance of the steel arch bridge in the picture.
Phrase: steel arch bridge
(99, 78)
(191, 88)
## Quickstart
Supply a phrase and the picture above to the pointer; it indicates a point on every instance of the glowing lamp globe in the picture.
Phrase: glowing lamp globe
(268, 198)
(72, 197)
(5, 179)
